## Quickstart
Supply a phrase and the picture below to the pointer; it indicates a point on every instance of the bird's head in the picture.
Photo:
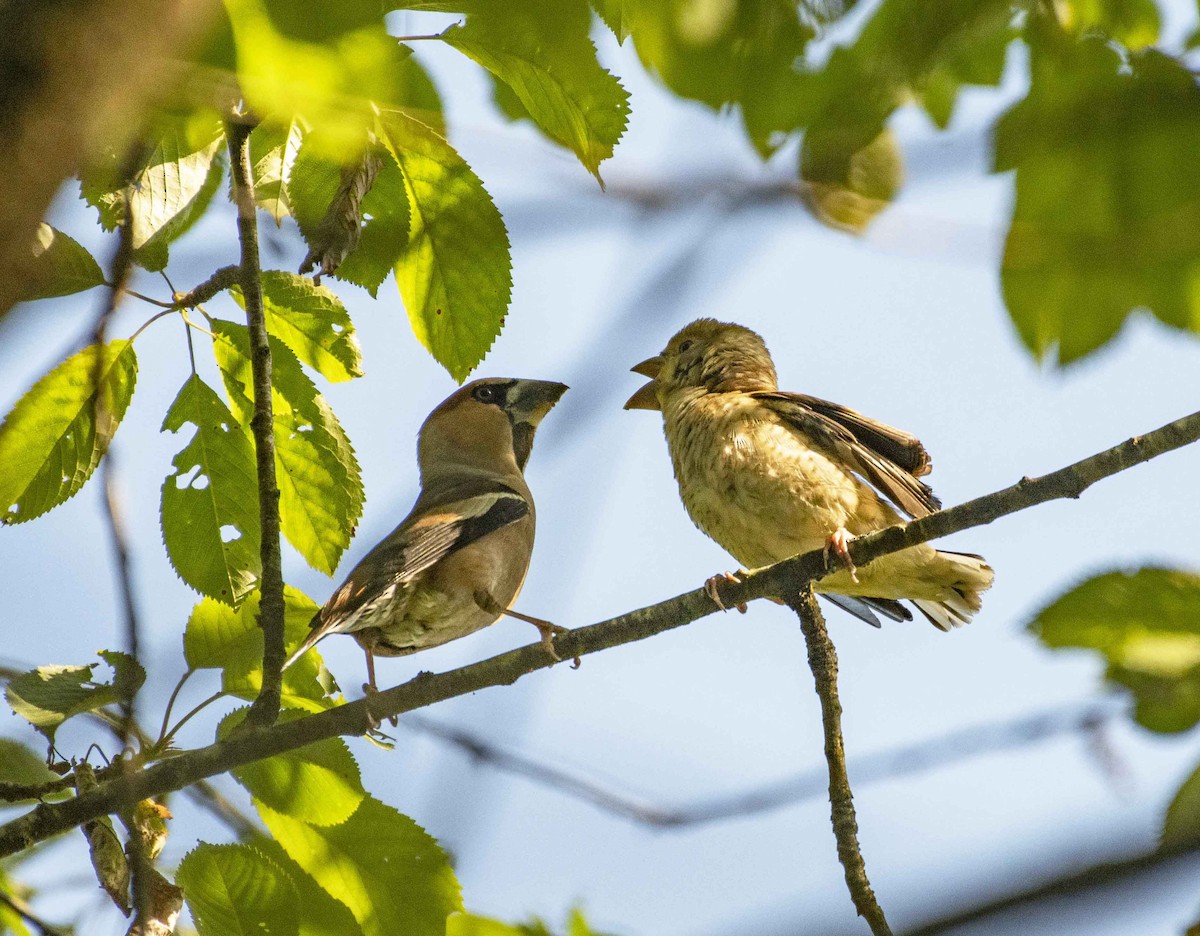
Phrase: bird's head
(712, 356)
(487, 424)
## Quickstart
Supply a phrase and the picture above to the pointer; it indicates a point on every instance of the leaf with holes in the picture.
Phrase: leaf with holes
(383, 866)
(53, 439)
(219, 637)
(235, 890)
(541, 50)
(62, 266)
(49, 695)
(312, 321)
(210, 522)
(455, 274)
(321, 494)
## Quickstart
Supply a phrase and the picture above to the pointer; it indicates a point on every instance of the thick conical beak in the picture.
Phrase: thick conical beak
(530, 400)
(647, 396)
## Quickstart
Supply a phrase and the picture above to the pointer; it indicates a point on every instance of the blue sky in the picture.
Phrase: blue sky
(906, 325)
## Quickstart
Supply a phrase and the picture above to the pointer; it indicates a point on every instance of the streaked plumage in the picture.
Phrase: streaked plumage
(769, 474)
(457, 562)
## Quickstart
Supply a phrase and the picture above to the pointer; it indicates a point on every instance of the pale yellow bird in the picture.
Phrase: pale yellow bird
(769, 474)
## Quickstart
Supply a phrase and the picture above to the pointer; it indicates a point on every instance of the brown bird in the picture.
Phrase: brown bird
(769, 474)
(456, 563)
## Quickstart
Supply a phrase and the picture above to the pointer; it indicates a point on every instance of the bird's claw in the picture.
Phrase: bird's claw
(549, 632)
(839, 542)
(710, 589)
(370, 691)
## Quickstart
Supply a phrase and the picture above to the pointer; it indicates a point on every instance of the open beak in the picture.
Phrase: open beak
(646, 397)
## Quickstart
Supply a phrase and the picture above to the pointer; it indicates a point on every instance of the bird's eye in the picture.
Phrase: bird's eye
(685, 346)
(488, 393)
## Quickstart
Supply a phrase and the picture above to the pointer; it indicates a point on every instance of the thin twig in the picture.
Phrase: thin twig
(788, 577)
(951, 748)
(25, 912)
(265, 708)
(221, 280)
(822, 660)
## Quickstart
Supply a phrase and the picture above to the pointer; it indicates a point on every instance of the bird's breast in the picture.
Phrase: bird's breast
(755, 485)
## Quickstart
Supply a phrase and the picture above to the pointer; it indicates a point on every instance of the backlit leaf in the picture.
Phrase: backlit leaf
(62, 266)
(235, 890)
(273, 149)
(210, 520)
(52, 440)
(455, 272)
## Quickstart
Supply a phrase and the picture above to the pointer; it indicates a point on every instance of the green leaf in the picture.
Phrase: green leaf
(210, 520)
(218, 637)
(273, 149)
(49, 695)
(1133, 23)
(318, 784)
(849, 186)
(541, 50)
(20, 765)
(62, 266)
(53, 439)
(170, 189)
(1146, 625)
(455, 272)
(321, 21)
(383, 866)
(312, 321)
(612, 14)
(321, 494)
(323, 913)
(235, 890)
(1107, 212)
(384, 234)
(1181, 827)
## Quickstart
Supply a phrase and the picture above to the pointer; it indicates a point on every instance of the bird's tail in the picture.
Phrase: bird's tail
(966, 576)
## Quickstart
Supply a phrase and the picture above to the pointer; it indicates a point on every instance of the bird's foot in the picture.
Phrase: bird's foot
(710, 589)
(370, 690)
(839, 542)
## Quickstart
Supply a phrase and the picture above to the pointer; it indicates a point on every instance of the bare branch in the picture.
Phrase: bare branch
(785, 578)
(265, 709)
(221, 280)
(822, 660)
(25, 912)
(951, 748)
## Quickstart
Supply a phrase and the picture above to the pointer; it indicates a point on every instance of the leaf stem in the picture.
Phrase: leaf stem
(166, 739)
(162, 731)
(150, 321)
(265, 709)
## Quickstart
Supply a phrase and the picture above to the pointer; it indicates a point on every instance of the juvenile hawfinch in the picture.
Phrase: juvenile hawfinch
(769, 474)
(456, 563)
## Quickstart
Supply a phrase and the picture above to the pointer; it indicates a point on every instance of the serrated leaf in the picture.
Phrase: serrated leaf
(455, 274)
(321, 494)
(383, 866)
(319, 784)
(210, 521)
(235, 890)
(1181, 826)
(49, 695)
(541, 50)
(1106, 218)
(612, 14)
(53, 439)
(384, 236)
(323, 912)
(1146, 625)
(273, 149)
(62, 266)
(21, 766)
(169, 190)
(218, 637)
(312, 321)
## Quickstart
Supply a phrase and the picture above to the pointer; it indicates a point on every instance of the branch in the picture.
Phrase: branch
(918, 757)
(221, 280)
(822, 660)
(265, 709)
(783, 578)
(25, 912)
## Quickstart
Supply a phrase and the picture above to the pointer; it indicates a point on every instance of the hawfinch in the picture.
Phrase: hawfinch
(456, 563)
(769, 474)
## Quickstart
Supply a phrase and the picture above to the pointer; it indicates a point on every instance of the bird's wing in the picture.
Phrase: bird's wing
(426, 537)
(888, 458)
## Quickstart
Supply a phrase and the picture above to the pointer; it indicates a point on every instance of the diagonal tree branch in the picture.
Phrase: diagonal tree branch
(784, 578)
(265, 709)
(822, 660)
